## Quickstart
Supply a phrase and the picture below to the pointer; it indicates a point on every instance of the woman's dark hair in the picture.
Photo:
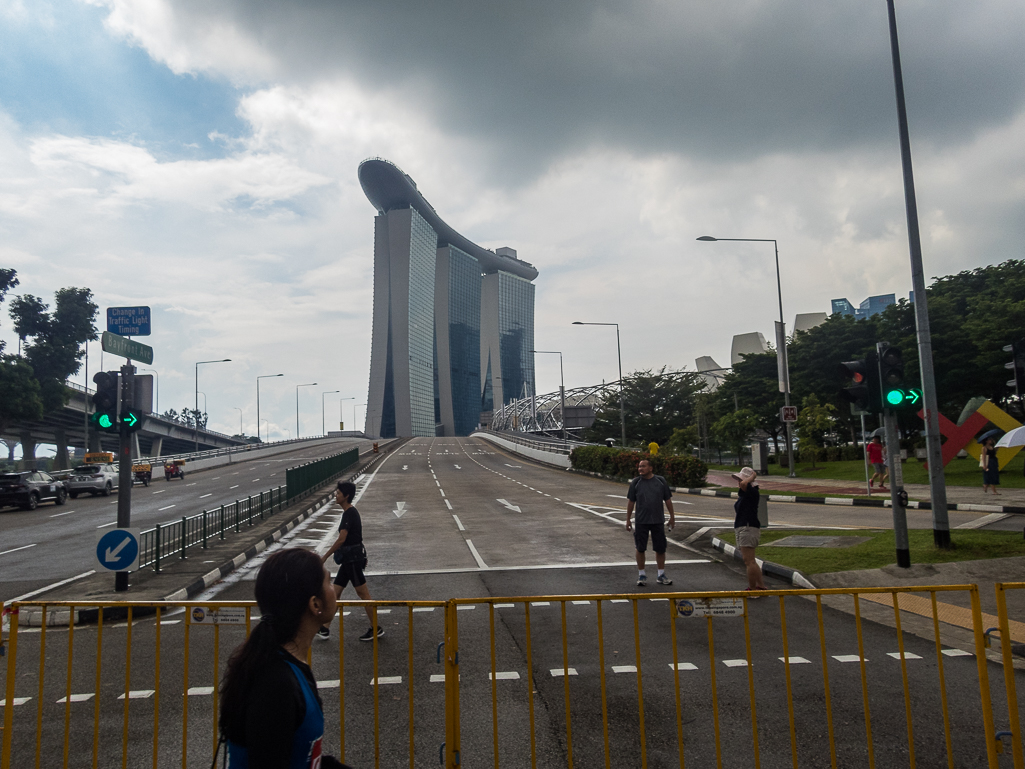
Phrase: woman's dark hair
(348, 488)
(286, 582)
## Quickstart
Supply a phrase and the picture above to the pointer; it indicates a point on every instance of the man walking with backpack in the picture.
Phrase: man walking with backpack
(648, 492)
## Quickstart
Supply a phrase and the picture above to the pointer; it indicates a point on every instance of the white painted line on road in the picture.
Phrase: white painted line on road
(333, 684)
(847, 658)
(423, 608)
(458, 522)
(200, 691)
(384, 611)
(438, 678)
(620, 600)
(254, 480)
(957, 653)
(105, 525)
(514, 467)
(58, 515)
(442, 492)
(796, 660)
(540, 603)
(581, 603)
(907, 655)
(476, 555)
(560, 672)
(169, 621)
(217, 478)
(985, 520)
(17, 701)
(16, 549)
(437, 482)
(162, 509)
(510, 675)
(535, 567)
(616, 496)
(160, 492)
(233, 487)
(505, 605)
(207, 495)
(556, 499)
(34, 593)
(625, 668)
(466, 607)
(684, 666)
(385, 680)
(448, 504)
(138, 694)
(76, 698)
(114, 502)
(190, 484)
(735, 663)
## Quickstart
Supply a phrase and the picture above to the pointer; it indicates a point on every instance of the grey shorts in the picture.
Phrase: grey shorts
(880, 467)
(748, 536)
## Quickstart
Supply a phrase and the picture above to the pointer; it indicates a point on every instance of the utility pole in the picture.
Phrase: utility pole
(124, 464)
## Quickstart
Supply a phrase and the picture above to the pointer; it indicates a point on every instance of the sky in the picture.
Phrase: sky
(200, 158)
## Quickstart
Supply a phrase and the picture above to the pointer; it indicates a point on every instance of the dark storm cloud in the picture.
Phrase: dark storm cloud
(532, 80)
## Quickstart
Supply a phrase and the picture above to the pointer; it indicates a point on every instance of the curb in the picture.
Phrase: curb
(845, 501)
(792, 576)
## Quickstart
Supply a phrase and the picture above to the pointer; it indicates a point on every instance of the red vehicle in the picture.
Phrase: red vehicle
(175, 469)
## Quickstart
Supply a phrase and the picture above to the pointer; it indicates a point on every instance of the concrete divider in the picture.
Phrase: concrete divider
(539, 455)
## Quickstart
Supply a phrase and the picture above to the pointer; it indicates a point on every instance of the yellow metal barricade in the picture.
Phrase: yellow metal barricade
(579, 680)
(1011, 632)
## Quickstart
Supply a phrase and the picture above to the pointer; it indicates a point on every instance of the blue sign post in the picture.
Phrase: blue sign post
(128, 321)
(118, 550)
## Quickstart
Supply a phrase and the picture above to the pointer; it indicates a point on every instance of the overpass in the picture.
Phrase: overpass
(67, 428)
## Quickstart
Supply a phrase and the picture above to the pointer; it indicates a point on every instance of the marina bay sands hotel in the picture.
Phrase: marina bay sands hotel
(453, 325)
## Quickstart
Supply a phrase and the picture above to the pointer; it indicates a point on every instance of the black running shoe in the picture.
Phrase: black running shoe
(324, 632)
(369, 635)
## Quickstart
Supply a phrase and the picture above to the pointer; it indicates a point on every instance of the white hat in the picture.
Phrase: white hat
(745, 475)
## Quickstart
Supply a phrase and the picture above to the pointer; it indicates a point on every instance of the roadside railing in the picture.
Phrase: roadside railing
(1011, 633)
(696, 679)
(554, 445)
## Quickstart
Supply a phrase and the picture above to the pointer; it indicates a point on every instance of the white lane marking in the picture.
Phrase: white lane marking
(438, 678)
(333, 684)
(559, 672)
(217, 478)
(540, 603)
(16, 549)
(160, 492)
(907, 655)
(105, 525)
(138, 694)
(75, 698)
(437, 482)
(442, 492)
(466, 607)
(190, 484)
(509, 505)
(400, 509)
(796, 660)
(735, 663)
(58, 515)
(957, 653)
(514, 467)
(423, 608)
(200, 691)
(684, 666)
(207, 495)
(169, 621)
(405, 467)
(162, 509)
(385, 680)
(616, 496)
(459, 523)
(581, 603)
(34, 593)
(254, 480)
(847, 658)
(476, 555)
(448, 504)
(625, 668)
(17, 701)
(511, 675)
(233, 487)
(457, 467)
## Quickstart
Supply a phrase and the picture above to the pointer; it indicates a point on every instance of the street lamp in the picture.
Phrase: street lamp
(562, 386)
(204, 401)
(323, 424)
(241, 430)
(619, 354)
(198, 364)
(781, 341)
(265, 376)
(156, 382)
(310, 384)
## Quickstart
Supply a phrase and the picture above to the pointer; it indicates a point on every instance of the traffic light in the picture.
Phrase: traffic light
(896, 396)
(131, 420)
(1017, 365)
(105, 401)
(862, 393)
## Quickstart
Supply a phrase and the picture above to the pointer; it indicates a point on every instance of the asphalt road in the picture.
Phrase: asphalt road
(453, 518)
(51, 543)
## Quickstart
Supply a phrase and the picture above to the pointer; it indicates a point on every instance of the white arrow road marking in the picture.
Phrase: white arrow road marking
(515, 467)
(401, 509)
(457, 467)
(112, 554)
(508, 504)
(405, 467)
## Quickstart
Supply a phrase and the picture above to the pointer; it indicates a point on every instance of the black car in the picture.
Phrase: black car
(27, 489)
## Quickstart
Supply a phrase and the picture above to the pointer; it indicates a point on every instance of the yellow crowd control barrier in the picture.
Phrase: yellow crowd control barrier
(696, 679)
(1011, 632)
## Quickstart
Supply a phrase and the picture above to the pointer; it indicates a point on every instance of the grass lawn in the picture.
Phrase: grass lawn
(969, 545)
(960, 472)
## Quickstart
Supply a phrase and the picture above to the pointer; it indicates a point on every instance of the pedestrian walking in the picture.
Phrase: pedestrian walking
(747, 526)
(875, 458)
(648, 492)
(990, 466)
(271, 713)
(351, 556)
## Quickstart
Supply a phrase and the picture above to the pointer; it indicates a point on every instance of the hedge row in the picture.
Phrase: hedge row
(686, 472)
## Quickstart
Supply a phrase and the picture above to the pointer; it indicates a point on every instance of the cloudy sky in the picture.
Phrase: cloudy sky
(201, 158)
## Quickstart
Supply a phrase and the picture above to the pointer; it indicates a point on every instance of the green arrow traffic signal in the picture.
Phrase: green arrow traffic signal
(901, 398)
(130, 421)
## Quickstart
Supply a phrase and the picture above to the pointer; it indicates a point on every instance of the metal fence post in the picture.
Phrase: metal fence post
(222, 522)
(451, 687)
(237, 503)
(204, 529)
(185, 529)
(157, 537)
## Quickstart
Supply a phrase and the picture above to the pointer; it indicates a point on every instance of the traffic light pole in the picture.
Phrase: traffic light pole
(937, 483)
(124, 465)
(898, 499)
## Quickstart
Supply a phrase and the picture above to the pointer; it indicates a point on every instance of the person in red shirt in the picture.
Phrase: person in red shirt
(875, 457)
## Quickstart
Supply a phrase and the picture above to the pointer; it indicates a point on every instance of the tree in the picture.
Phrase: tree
(733, 429)
(814, 422)
(683, 440)
(20, 399)
(753, 384)
(655, 403)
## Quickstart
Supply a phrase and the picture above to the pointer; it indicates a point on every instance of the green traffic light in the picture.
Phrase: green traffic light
(895, 397)
(105, 421)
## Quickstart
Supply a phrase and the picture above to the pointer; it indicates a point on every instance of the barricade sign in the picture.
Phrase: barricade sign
(118, 550)
(710, 607)
(226, 615)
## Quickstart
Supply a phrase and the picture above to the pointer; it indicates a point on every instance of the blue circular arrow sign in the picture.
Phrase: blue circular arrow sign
(117, 550)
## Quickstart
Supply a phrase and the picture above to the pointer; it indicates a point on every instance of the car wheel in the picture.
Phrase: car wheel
(107, 489)
(33, 502)
(62, 497)
(73, 494)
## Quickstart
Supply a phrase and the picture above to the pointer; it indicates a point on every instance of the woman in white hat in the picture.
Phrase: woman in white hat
(747, 527)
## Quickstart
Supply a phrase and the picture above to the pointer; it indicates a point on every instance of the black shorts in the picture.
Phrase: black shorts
(658, 536)
(350, 572)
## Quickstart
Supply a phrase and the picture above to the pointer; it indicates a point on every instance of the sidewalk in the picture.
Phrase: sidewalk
(955, 494)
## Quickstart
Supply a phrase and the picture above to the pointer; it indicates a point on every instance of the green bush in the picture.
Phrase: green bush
(683, 471)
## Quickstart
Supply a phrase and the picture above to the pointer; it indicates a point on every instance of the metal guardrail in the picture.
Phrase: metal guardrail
(554, 445)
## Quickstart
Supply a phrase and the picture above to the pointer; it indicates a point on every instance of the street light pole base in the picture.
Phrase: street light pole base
(121, 581)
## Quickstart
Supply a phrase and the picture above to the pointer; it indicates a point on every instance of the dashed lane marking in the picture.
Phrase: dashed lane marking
(560, 672)
(476, 555)
(458, 522)
(16, 549)
(168, 507)
(448, 504)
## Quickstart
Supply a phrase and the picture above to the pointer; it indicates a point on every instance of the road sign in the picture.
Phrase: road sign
(118, 549)
(710, 607)
(788, 413)
(126, 348)
(226, 615)
(128, 321)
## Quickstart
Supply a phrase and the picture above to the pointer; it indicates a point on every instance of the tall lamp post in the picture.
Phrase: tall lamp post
(310, 384)
(562, 387)
(265, 376)
(241, 430)
(619, 354)
(323, 421)
(781, 341)
(198, 364)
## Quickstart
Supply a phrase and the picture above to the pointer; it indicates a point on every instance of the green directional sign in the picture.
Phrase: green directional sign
(131, 420)
(126, 348)
(902, 398)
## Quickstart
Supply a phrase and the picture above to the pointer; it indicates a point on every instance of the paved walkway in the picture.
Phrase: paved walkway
(827, 487)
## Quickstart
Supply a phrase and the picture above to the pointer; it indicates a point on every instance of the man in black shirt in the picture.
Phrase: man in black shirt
(648, 492)
(353, 558)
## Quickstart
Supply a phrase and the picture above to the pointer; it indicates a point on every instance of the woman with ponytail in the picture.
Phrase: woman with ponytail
(272, 717)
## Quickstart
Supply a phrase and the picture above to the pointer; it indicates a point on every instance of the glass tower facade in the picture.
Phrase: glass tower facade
(516, 335)
(423, 245)
(464, 339)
